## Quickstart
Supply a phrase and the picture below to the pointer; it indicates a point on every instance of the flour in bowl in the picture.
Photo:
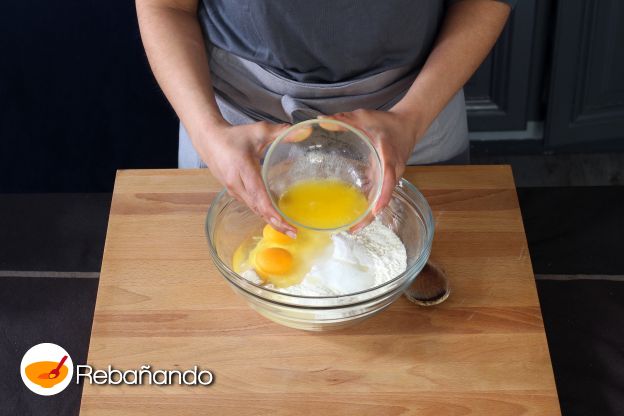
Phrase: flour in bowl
(351, 263)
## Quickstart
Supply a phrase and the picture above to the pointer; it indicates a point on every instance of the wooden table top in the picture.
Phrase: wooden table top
(162, 302)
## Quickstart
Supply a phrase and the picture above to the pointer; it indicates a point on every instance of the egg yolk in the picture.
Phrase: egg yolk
(323, 203)
(271, 234)
(273, 261)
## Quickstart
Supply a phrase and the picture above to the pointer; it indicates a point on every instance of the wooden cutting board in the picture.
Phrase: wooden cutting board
(162, 302)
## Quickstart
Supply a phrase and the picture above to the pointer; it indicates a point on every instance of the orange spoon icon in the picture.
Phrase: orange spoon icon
(54, 373)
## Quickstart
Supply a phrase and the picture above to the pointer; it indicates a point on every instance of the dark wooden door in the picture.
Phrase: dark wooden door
(586, 95)
(497, 94)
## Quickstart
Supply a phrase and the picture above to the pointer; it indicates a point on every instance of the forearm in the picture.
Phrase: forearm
(177, 55)
(468, 33)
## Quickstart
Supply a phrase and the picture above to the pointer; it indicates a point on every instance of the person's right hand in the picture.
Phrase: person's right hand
(232, 154)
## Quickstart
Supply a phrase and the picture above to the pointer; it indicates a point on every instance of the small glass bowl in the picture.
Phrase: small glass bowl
(408, 214)
(322, 149)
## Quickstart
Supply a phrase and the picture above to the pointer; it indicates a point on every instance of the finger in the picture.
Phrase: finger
(299, 135)
(255, 190)
(399, 172)
(387, 187)
(234, 188)
(372, 174)
(267, 133)
(275, 129)
(356, 120)
(344, 117)
(268, 212)
(330, 124)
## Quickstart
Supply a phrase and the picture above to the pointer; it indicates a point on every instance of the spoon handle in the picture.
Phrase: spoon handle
(60, 364)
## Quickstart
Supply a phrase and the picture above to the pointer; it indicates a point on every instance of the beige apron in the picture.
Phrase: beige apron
(247, 92)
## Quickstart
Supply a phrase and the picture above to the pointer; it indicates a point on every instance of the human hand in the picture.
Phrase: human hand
(394, 135)
(232, 154)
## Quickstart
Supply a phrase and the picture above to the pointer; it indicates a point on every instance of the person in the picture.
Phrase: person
(238, 72)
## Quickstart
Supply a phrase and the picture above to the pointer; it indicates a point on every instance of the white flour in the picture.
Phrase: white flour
(377, 246)
(359, 261)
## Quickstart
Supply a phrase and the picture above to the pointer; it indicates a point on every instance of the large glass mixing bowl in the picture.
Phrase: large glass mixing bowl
(230, 222)
(322, 149)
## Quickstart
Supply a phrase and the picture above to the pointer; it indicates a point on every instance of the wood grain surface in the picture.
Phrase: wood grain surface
(162, 302)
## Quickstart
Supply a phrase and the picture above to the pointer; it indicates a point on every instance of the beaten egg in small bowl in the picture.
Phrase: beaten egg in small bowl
(230, 223)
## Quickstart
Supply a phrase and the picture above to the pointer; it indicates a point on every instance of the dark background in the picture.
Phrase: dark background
(78, 101)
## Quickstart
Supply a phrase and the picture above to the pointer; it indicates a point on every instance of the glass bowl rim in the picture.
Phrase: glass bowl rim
(318, 121)
(429, 225)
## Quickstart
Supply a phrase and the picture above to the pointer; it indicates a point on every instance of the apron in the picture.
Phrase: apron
(247, 92)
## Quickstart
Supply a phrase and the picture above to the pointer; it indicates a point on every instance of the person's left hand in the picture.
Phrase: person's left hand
(394, 135)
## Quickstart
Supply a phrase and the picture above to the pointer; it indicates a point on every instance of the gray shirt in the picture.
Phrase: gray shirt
(325, 41)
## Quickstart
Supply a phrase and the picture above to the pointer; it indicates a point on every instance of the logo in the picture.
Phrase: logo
(47, 369)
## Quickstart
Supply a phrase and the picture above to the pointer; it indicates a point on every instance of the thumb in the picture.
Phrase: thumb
(329, 126)
(270, 132)
(275, 129)
(387, 187)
